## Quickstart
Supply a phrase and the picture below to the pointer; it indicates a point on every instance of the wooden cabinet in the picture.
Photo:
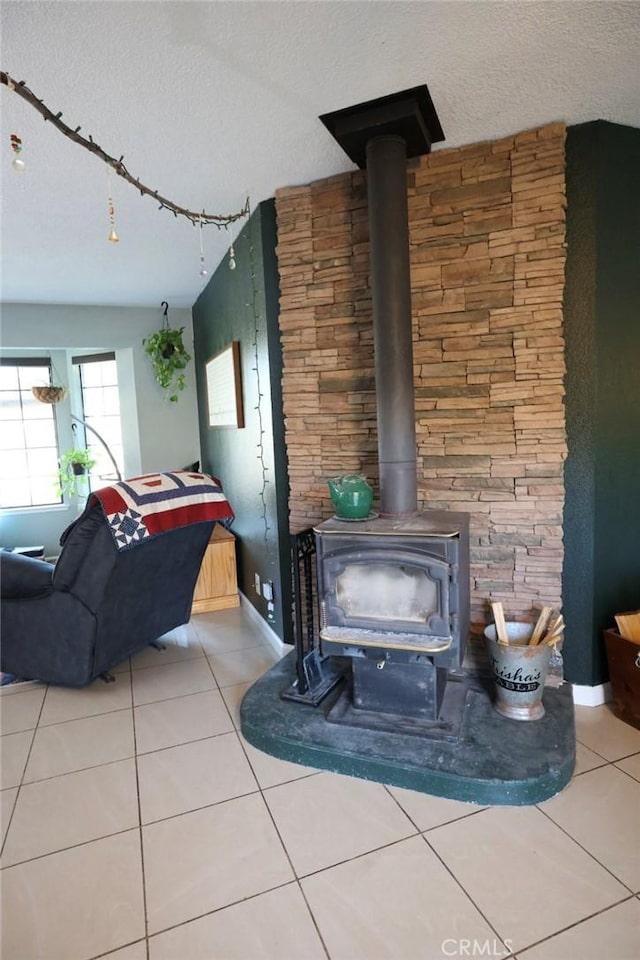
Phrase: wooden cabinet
(217, 585)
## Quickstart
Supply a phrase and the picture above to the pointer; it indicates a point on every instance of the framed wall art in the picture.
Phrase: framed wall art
(224, 388)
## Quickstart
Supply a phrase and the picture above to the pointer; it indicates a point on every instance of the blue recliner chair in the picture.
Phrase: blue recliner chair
(69, 623)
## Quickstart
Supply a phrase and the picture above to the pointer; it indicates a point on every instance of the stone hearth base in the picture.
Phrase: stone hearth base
(494, 760)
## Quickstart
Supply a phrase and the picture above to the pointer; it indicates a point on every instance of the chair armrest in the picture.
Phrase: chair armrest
(24, 578)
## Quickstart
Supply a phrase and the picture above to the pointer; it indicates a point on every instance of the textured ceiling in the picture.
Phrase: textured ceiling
(211, 102)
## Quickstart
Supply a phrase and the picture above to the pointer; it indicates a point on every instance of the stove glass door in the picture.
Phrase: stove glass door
(386, 592)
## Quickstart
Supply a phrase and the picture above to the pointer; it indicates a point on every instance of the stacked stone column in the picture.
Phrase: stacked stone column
(487, 239)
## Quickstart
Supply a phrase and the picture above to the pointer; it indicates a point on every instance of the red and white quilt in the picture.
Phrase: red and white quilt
(146, 506)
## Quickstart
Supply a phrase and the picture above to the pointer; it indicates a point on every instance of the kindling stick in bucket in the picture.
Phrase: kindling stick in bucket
(498, 616)
(554, 630)
(540, 626)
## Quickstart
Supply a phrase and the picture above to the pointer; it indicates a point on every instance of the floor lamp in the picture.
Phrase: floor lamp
(104, 443)
(54, 394)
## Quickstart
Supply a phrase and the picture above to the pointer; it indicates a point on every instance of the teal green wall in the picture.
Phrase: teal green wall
(601, 574)
(242, 305)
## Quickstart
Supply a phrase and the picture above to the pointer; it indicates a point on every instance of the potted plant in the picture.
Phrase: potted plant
(73, 464)
(168, 357)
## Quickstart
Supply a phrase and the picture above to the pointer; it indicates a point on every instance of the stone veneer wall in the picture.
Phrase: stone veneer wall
(487, 238)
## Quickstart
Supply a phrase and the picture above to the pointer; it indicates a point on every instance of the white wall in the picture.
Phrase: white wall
(158, 435)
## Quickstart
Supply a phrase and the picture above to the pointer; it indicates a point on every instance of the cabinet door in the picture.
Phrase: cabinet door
(217, 586)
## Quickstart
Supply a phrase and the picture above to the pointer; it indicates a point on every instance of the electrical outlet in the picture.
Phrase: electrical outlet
(256, 582)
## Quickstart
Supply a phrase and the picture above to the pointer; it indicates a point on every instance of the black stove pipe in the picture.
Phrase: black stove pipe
(380, 136)
(392, 333)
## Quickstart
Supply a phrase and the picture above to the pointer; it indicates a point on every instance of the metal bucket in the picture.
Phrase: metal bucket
(519, 672)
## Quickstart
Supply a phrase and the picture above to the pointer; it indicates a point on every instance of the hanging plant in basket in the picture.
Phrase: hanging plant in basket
(49, 392)
(73, 464)
(168, 357)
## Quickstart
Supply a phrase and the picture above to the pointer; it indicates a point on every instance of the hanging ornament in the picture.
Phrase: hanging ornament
(203, 270)
(16, 146)
(232, 253)
(113, 236)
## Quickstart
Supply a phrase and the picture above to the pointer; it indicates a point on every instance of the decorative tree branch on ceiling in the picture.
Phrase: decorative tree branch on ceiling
(196, 217)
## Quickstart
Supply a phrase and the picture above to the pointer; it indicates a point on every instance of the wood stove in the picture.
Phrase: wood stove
(394, 599)
(393, 591)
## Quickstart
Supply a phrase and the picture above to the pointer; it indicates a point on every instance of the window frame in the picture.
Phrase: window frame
(36, 361)
(77, 362)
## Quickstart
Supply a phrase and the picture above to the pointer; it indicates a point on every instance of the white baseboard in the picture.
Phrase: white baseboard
(584, 696)
(270, 635)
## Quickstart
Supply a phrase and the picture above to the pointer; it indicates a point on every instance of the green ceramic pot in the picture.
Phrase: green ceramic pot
(351, 496)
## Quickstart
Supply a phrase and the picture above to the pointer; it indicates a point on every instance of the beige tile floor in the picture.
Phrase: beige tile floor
(138, 825)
